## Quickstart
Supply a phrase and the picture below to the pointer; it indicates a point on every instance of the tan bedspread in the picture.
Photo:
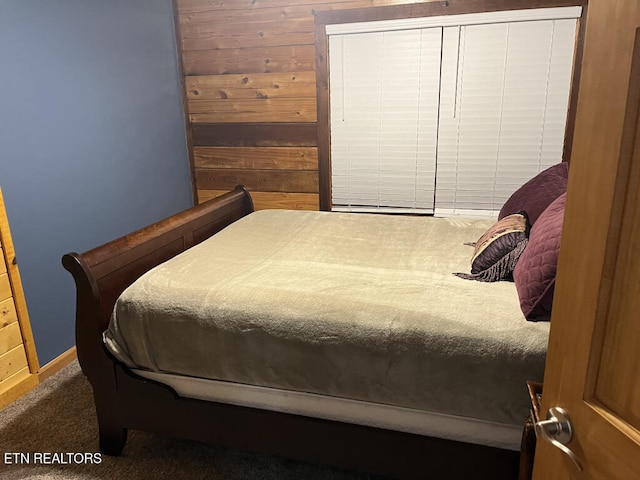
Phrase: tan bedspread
(349, 305)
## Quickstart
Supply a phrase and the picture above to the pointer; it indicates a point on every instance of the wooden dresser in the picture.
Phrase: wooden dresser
(18, 359)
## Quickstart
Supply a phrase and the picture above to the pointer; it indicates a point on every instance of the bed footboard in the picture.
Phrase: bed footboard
(103, 273)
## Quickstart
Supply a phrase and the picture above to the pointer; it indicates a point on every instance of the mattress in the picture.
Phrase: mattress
(352, 306)
(388, 417)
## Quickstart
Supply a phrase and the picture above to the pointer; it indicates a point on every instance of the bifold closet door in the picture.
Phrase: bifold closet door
(450, 116)
(385, 89)
(503, 109)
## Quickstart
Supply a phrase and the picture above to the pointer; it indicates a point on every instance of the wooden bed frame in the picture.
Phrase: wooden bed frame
(124, 400)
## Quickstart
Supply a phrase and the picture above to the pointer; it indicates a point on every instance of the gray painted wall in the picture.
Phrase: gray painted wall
(92, 141)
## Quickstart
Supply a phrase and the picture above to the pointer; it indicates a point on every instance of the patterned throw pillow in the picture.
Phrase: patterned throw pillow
(497, 251)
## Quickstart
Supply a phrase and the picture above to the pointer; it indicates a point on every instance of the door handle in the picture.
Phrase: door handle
(558, 431)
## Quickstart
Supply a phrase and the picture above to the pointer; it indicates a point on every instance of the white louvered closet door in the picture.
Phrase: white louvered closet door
(384, 118)
(504, 100)
(448, 114)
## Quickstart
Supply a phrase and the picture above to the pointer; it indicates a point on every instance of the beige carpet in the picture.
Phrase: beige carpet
(57, 420)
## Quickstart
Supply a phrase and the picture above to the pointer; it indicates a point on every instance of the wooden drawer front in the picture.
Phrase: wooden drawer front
(10, 337)
(8, 313)
(20, 380)
(5, 287)
(12, 362)
(3, 265)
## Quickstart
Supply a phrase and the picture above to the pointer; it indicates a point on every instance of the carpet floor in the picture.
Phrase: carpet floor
(41, 432)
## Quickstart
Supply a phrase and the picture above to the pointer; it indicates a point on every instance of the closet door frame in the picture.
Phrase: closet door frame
(427, 9)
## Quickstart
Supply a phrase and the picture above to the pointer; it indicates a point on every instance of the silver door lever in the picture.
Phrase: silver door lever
(557, 430)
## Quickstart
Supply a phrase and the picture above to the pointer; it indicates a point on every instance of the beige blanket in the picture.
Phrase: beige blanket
(349, 305)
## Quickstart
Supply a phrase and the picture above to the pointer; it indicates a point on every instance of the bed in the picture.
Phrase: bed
(329, 337)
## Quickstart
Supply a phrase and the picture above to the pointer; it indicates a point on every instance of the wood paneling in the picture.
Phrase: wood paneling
(255, 134)
(272, 173)
(260, 97)
(285, 158)
(241, 111)
(253, 110)
(10, 337)
(296, 181)
(205, 11)
(12, 362)
(267, 200)
(257, 55)
(197, 13)
(288, 58)
(239, 34)
(5, 286)
(252, 86)
(8, 313)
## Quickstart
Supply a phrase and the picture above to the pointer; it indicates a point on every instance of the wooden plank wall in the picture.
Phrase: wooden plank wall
(250, 94)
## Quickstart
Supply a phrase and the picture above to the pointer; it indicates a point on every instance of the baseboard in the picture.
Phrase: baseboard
(57, 364)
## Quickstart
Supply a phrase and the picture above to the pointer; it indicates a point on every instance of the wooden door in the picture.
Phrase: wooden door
(593, 366)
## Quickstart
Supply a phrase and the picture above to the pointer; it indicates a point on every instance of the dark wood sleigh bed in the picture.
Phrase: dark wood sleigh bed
(125, 401)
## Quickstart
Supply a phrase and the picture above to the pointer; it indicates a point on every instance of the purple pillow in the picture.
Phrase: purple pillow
(537, 194)
(535, 273)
